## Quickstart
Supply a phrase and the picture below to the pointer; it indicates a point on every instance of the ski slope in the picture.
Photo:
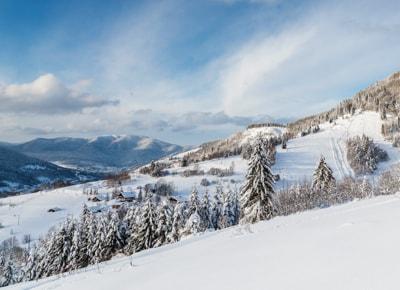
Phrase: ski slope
(352, 246)
(27, 214)
(300, 159)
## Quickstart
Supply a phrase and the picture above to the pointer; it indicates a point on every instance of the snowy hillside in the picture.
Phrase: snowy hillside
(294, 164)
(353, 246)
(299, 160)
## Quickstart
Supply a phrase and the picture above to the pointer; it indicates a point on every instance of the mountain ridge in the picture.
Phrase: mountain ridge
(103, 153)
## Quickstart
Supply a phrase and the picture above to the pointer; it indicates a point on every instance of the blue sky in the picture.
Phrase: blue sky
(184, 71)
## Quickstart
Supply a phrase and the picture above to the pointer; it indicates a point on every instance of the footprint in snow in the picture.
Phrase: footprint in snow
(243, 230)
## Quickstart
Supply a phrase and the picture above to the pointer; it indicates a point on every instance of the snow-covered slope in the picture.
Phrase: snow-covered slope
(352, 246)
(293, 164)
(299, 160)
(28, 213)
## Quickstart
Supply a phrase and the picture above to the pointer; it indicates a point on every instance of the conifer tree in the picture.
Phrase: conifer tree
(178, 222)
(8, 275)
(113, 241)
(193, 225)
(30, 269)
(323, 179)
(194, 203)
(145, 236)
(206, 211)
(82, 258)
(131, 228)
(228, 216)
(216, 211)
(164, 225)
(257, 193)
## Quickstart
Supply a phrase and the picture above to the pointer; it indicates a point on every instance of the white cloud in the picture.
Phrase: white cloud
(47, 95)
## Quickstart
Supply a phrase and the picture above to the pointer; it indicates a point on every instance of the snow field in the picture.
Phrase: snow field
(352, 246)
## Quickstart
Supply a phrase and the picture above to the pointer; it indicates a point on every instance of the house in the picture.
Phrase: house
(128, 196)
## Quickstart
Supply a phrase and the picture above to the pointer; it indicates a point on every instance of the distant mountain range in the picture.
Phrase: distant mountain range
(103, 153)
(19, 172)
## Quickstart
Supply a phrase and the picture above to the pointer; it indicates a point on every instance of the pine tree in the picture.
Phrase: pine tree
(113, 241)
(216, 211)
(99, 245)
(73, 257)
(257, 193)
(82, 259)
(178, 222)
(131, 229)
(164, 225)
(228, 215)
(145, 236)
(193, 225)
(93, 242)
(9, 275)
(206, 211)
(59, 249)
(30, 269)
(194, 203)
(323, 179)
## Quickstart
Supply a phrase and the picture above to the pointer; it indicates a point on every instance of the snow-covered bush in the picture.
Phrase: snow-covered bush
(364, 155)
(389, 181)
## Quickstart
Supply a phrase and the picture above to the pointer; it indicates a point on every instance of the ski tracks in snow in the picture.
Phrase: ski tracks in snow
(340, 158)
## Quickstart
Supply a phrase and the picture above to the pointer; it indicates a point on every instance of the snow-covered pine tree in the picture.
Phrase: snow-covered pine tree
(58, 250)
(216, 209)
(195, 222)
(206, 211)
(73, 257)
(112, 238)
(130, 225)
(164, 225)
(93, 236)
(323, 179)
(145, 236)
(228, 215)
(193, 225)
(256, 195)
(194, 203)
(82, 258)
(30, 269)
(178, 222)
(9, 275)
(99, 245)
(235, 206)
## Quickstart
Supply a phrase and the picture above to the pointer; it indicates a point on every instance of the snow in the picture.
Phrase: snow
(27, 214)
(352, 246)
(251, 134)
(33, 167)
(295, 164)
(300, 159)
(144, 143)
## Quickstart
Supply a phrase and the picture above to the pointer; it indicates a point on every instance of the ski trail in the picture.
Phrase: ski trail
(340, 158)
(347, 169)
(335, 157)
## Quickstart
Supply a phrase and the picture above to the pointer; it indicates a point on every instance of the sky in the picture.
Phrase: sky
(184, 71)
